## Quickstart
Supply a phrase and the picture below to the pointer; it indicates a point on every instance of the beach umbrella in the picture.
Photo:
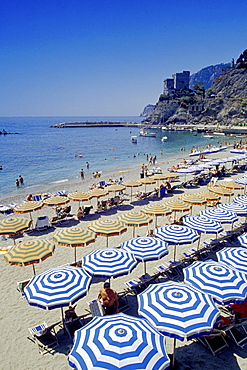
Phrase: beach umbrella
(234, 257)
(171, 176)
(109, 263)
(243, 240)
(156, 210)
(145, 249)
(242, 199)
(231, 185)
(224, 283)
(57, 287)
(14, 225)
(202, 224)
(208, 195)
(239, 209)
(177, 235)
(178, 310)
(28, 207)
(74, 237)
(131, 184)
(98, 193)
(147, 181)
(193, 199)
(118, 342)
(221, 191)
(115, 187)
(158, 177)
(219, 215)
(30, 252)
(242, 181)
(107, 227)
(135, 219)
(187, 170)
(177, 206)
(56, 201)
(79, 196)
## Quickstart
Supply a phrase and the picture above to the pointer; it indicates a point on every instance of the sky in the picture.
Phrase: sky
(108, 58)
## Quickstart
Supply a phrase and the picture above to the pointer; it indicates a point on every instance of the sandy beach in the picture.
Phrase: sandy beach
(17, 315)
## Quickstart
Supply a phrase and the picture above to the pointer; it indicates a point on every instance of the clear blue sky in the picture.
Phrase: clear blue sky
(92, 57)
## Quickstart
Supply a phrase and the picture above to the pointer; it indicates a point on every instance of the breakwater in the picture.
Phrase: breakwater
(96, 124)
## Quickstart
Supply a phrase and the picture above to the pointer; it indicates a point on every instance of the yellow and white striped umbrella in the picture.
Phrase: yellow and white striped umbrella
(28, 207)
(107, 227)
(56, 200)
(79, 196)
(97, 193)
(156, 210)
(135, 219)
(74, 237)
(14, 225)
(30, 252)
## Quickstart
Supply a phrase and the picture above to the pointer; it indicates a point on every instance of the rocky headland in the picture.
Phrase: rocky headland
(224, 102)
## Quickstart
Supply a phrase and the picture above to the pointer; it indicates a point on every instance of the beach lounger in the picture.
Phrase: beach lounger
(238, 334)
(214, 342)
(37, 197)
(45, 337)
(62, 193)
(42, 223)
(96, 308)
(21, 285)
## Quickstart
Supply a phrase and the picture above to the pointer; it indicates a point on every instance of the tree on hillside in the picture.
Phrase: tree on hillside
(199, 89)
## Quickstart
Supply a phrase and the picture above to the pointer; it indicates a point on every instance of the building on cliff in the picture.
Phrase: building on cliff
(179, 81)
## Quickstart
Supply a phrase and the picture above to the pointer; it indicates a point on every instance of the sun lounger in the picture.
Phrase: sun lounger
(37, 197)
(45, 337)
(42, 223)
(96, 308)
(21, 285)
(214, 342)
(71, 326)
(238, 334)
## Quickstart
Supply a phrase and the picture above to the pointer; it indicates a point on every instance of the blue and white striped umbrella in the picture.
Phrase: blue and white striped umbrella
(146, 249)
(57, 287)
(224, 283)
(234, 257)
(118, 342)
(202, 224)
(219, 215)
(177, 234)
(109, 262)
(178, 310)
(239, 209)
(242, 199)
(243, 240)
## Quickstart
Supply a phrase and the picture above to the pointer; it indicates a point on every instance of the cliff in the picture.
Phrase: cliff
(224, 102)
(207, 75)
(147, 110)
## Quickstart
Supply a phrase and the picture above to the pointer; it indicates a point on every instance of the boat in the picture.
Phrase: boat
(164, 138)
(147, 134)
(134, 139)
(208, 136)
(219, 133)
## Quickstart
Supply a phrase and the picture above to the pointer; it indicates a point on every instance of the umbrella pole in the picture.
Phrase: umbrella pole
(175, 251)
(34, 269)
(199, 240)
(145, 267)
(75, 253)
(106, 241)
(133, 231)
(173, 356)
(63, 320)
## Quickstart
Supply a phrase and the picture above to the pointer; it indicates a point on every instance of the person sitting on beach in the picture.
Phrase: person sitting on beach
(109, 299)
(70, 314)
(29, 197)
(80, 212)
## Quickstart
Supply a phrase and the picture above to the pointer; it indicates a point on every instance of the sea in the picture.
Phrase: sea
(45, 155)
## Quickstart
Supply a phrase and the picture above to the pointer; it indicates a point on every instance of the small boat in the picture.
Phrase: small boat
(147, 134)
(208, 136)
(134, 139)
(164, 138)
(219, 133)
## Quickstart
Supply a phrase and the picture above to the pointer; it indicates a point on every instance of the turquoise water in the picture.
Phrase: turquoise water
(42, 154)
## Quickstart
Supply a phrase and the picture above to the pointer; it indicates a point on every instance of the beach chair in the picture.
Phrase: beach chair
(45, 337)
(21, 285)
(96, 308)
(214, 342)
(37, 197)
(238, 334)
(71, 327)
(42, 223)
(62, 193)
